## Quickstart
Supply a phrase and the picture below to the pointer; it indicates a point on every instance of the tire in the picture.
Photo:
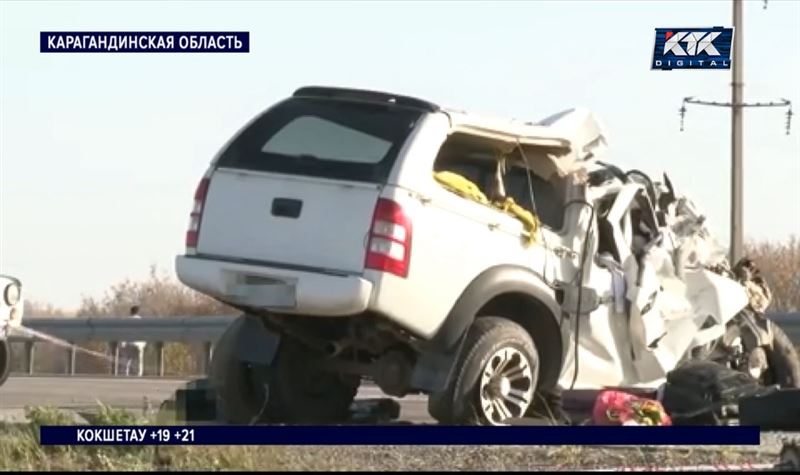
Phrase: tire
(494, 349)
(784, 363)
(5, 361)
(439, 407)
(302, 393)
(240, 387)
(293, 390)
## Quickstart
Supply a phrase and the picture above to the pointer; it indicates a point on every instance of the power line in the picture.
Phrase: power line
(780, 103)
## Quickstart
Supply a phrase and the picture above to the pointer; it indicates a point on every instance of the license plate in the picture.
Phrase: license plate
(277, 295)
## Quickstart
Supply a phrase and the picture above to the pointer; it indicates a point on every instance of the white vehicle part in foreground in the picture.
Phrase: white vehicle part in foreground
(684, 315)
(10, 311)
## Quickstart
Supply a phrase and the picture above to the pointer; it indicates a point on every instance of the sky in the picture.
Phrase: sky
(100, 153)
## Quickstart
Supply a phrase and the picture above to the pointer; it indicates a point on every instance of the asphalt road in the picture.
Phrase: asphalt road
(80, 393)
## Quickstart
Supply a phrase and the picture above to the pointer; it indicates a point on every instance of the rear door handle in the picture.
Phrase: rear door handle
(286, 207)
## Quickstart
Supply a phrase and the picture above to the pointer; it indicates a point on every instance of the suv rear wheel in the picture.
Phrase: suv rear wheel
(301, 392)
(241, 387)
(293, 390)
(495, 377)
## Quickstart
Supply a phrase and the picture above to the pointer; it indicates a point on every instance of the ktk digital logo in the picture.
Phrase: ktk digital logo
(693, 48)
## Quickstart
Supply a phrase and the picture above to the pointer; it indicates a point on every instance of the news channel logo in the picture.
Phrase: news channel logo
(692, 48)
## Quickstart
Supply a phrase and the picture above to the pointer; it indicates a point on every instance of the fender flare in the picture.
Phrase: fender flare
(489, 284)
(438, 355)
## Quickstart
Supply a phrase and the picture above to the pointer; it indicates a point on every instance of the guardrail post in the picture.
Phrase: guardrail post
(160, 358)
(115, 357)
(30, 355)
(208, 353)
(71, 360)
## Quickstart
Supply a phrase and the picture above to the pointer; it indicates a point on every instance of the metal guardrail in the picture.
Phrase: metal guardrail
(149, 329)
(200, 329)
(155, 330)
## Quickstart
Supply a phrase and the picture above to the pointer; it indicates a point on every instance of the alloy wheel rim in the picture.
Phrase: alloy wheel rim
(506, 387)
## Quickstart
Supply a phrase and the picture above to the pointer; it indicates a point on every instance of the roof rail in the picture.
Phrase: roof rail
(366, 96)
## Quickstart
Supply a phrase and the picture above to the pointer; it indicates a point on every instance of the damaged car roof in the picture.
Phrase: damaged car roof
(577, 129)
(575, 133)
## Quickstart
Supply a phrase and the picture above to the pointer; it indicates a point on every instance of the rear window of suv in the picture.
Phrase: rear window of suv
(326, 138)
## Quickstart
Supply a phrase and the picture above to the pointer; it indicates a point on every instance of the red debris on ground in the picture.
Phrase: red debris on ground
(619, 408)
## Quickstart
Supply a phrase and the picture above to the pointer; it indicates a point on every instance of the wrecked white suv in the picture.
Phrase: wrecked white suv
(484, 262)
(11, 308)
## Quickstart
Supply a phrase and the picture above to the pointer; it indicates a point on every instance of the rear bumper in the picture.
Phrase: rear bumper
(274, 288)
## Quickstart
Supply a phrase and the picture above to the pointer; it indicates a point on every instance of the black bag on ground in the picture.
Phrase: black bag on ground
(779, 410)
(706, 393)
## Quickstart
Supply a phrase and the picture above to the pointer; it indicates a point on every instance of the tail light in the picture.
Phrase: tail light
(389, 246)
(197, 214)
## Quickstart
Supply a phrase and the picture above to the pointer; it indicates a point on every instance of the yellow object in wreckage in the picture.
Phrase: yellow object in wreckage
(463, 187)
(529, 220)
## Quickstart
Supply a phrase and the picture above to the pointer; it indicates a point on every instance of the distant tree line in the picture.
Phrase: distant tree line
(780, 265)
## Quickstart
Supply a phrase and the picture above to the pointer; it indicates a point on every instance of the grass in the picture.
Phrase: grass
(20, 451)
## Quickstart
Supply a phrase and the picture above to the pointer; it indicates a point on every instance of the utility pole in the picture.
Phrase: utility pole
(736, 135)
(737, 106)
